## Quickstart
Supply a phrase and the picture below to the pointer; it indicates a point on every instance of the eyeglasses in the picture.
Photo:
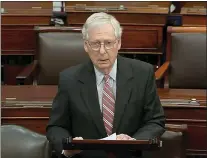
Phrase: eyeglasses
(97, 45)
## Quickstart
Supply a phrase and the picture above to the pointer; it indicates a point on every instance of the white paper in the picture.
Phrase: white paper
(111, 137)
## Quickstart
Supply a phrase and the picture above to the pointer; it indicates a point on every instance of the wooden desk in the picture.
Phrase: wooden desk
(18, 39)
(18, 36)
(47, 93)
(194, 13)
(17, 23)
(34, 113)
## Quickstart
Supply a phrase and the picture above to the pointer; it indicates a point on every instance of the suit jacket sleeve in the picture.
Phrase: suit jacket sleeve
(153, 118)
(59, 121)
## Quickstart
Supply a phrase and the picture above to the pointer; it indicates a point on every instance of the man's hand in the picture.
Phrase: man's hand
(72, 152)
(124, 137)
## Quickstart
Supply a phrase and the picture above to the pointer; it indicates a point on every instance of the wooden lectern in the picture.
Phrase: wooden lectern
(111, 147)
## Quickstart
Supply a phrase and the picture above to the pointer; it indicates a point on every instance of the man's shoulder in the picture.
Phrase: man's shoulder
(72, 72)
(137, 64)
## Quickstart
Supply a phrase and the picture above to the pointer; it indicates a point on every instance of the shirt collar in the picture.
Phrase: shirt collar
(100, 75)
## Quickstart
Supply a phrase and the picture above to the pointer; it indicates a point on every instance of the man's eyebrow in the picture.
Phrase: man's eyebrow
(109, 40)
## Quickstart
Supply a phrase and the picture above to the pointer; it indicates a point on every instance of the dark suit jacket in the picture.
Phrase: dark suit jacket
(76, 111)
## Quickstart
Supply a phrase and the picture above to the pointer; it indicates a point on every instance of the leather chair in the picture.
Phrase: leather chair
(185, 66)
(57, 48)
(17, 141)
(173, 143)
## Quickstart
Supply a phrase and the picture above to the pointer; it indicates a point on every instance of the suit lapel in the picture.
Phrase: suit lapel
(124, 89)
(90, 96)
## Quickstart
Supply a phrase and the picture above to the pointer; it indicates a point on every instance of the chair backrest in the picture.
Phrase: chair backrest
(57, 51)
(188, 60)
(17, 141)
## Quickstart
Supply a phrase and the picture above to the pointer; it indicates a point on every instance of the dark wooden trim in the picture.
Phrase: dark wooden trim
(162, 70)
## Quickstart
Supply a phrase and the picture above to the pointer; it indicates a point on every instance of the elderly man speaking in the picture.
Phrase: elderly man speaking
(107, 94)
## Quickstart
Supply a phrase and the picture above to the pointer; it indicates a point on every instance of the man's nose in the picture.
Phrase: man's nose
(102, 49)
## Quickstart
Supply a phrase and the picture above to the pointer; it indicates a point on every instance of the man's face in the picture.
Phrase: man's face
(102, 46)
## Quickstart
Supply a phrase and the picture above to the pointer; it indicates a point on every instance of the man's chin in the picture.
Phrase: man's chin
(103, 66)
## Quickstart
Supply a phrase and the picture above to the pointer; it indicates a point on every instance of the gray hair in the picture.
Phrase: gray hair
(101, 18)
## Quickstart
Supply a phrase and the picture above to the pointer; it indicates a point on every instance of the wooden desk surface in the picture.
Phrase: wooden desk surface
(36, 117)
(47, 93)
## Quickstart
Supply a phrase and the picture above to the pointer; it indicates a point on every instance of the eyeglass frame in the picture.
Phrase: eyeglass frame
(102, 43)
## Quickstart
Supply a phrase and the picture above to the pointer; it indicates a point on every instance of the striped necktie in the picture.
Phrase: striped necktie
(108, 102)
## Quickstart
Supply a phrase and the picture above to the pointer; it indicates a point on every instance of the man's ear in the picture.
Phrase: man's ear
(119, 44)
(85, 46)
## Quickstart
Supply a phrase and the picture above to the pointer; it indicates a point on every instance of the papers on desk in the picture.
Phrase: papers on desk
(111, 137)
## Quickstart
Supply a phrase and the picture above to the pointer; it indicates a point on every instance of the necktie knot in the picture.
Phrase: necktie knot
(106, 78)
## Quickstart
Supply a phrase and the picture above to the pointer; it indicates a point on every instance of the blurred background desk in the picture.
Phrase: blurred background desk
(18, 20)
(30, 106)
